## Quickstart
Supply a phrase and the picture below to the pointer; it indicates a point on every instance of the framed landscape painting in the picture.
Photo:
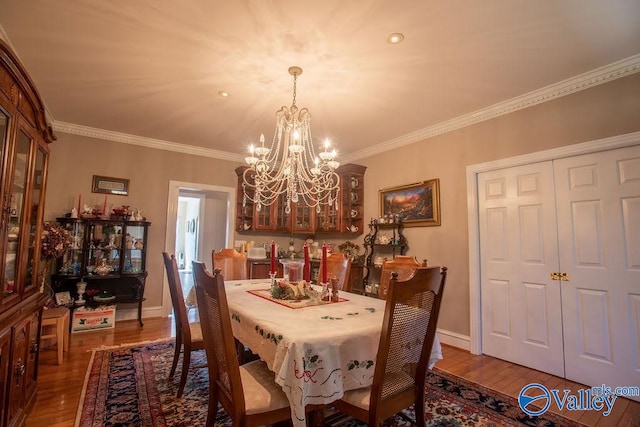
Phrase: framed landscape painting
(418, 204)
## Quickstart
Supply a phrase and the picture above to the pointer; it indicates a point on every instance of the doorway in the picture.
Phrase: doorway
(191, 207)
(200, 218)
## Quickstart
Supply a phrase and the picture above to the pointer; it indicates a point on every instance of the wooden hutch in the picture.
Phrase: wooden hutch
(24, 154)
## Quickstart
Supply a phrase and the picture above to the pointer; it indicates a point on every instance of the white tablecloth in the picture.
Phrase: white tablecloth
(317, 352)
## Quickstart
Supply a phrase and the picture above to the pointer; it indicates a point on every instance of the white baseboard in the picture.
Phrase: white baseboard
(454, 339)
(132, 313)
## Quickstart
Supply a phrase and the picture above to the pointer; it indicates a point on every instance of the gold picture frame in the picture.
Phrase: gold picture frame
(418, 204)
(109, 185)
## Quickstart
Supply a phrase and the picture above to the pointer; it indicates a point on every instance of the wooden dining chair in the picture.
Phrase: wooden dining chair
(231, 263)
(339, 267)
(188, 335)
(408, 332)
(233, 266)
(404, 265)
(248, 393)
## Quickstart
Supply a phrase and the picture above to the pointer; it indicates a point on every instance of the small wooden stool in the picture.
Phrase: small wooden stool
(60, 318)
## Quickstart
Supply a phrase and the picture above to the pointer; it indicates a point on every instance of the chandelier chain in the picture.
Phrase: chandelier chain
(295, 78)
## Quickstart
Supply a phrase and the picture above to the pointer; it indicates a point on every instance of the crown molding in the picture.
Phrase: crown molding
(141, 141)
(608, 73)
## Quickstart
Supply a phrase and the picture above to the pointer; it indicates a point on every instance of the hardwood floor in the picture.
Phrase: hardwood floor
(60, 386)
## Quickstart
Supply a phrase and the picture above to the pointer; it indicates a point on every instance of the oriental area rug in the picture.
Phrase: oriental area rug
(129, 386)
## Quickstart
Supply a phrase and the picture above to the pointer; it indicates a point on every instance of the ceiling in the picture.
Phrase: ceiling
(152, 69)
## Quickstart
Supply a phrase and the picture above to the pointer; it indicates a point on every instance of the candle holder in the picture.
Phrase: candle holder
(334, 290)
(292, 269)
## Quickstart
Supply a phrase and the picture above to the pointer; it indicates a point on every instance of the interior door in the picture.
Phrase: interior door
(521, 312)
(598, 201)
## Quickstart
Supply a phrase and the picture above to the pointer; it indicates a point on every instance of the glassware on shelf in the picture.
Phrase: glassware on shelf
(103, 269)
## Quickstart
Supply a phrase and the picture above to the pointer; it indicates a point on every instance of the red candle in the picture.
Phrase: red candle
(79, 204)
(104, 206)
(307, 265)
(273, 257)
(324, 263)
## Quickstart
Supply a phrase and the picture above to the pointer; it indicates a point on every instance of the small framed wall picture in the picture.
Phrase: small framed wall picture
(109, 185)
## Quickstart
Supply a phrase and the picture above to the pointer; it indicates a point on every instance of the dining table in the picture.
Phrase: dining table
(317, 349)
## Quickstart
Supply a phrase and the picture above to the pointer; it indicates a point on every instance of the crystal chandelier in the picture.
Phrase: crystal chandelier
(290, 167)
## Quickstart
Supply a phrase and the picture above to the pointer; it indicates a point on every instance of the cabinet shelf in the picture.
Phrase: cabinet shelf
(374, 249)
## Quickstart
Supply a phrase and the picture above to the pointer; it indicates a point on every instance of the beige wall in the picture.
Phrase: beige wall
(75, 159)
(606, 110)
(603, 111)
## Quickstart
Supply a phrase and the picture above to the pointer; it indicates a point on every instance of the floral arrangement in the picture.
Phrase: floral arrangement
(55, 240)
(350, 249)
(289, 291)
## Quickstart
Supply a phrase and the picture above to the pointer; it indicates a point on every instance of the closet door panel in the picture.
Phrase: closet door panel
(598, 208)
(521, 313)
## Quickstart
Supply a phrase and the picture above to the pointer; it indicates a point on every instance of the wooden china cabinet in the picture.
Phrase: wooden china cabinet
(346, 219)
(24, 152)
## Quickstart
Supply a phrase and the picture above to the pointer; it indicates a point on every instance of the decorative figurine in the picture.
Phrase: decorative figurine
(81, 286)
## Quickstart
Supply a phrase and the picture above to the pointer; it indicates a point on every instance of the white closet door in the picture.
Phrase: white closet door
(598, 209)
(521, 313)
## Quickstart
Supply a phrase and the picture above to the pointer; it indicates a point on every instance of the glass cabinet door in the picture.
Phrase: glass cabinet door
(303, 217)
(35, 218)
(9, 238)
(70, 264)
(327, 219)
(263, 219)
(281, 218)
(134, 249)
(104, 250)
(16, 206)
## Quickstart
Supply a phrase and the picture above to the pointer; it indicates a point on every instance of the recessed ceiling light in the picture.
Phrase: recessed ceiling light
(395, 38)
(223, 94)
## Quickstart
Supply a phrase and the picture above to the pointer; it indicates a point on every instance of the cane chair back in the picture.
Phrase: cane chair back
(248, 393)
(188, 335)
(231, 263)
(339, 267)
(408, 332)
(404, 265)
